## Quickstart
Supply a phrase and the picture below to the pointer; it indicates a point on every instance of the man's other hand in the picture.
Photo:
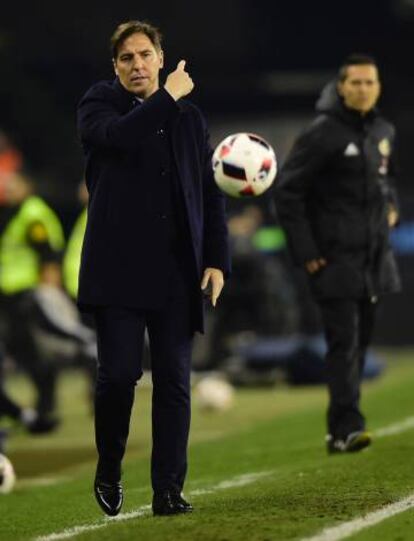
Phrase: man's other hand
(214, 278)
(315, 265)
(179, 83)
(50, 274)
(392, 216)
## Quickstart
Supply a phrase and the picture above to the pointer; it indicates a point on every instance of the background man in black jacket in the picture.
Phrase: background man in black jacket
(336, 201)
(156, 231)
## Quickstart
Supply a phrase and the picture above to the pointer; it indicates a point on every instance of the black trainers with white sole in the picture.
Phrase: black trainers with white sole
(355, 441)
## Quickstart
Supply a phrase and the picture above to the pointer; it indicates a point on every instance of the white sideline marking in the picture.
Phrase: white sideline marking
(76, 530)
(395, 428)
(238, 481)
(336, 533)
(30, 482)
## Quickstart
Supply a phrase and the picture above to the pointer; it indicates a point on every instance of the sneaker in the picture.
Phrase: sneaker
(38, 424)
(355, 441)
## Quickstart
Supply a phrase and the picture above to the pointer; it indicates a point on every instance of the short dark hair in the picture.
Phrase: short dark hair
(124, 30)
(355, 59)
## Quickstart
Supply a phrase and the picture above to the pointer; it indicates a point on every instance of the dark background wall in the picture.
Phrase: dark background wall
(255, 64)
(244, 56)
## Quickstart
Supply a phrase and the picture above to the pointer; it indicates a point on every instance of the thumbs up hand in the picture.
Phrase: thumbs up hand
(179, 82)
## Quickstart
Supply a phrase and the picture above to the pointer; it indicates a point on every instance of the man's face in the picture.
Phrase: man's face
(361, 88)
(138, 64)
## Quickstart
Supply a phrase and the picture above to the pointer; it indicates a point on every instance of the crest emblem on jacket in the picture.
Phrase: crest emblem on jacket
(384, 148)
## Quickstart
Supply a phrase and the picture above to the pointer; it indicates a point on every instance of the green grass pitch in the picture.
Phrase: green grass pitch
(258, 472)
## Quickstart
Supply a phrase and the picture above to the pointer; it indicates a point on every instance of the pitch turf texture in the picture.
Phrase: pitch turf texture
(260, 469)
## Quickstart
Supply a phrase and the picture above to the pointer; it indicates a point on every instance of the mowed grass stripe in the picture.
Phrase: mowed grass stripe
(280, 430)
(240, 481)
(330, 534)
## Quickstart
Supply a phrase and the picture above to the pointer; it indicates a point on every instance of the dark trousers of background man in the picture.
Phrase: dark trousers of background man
(120, 333)
(348, 326)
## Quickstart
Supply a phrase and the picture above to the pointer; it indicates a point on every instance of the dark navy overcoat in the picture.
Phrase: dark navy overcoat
(125, 249)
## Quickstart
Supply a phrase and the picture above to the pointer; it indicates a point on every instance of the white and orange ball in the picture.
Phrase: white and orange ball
(7, 475)
(213, 393)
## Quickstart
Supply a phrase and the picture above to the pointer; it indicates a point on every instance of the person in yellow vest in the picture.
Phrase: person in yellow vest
(72, 257)
(31, 245)
(71, 261)
(70, 269)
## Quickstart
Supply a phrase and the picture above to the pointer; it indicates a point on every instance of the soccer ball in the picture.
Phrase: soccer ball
(7, 475)
(244, 164)
(214, 394)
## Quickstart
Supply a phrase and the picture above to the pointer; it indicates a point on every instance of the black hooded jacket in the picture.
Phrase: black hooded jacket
(333, 196)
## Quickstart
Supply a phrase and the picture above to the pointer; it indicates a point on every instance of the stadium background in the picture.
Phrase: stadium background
(260, 466)
(258, 66)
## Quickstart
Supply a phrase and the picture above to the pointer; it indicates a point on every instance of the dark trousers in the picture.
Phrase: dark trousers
(18, 339)
(348, 326)
(120, 333)
(7, 406)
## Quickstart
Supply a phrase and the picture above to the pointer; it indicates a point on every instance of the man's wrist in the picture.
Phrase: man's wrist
(171, 93)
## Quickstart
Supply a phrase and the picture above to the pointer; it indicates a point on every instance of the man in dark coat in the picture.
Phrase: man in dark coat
(156, 231)
(336, 201)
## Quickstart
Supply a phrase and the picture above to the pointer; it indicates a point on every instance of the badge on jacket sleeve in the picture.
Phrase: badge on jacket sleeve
(384, 148)
(38, 233)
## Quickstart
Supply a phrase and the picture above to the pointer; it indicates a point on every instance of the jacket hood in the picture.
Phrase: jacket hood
(329, 100)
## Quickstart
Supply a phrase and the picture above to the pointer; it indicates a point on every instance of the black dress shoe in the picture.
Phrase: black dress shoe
(170, 503)
(110, 496)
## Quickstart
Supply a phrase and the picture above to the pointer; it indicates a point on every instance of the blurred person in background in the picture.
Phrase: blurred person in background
(25, 416)
(260, 301)
(336, 201)
(72, 256)
(31, 242)
(71, 265)
(156, 231)
(10, 161)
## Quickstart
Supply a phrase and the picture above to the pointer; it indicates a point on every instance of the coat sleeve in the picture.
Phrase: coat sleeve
(100, 124)
(293, 189)
(215, 239)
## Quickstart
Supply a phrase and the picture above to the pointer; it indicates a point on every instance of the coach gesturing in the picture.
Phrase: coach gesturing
(156, 233)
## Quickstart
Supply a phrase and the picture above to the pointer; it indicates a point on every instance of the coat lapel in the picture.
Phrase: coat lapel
(126, 99)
